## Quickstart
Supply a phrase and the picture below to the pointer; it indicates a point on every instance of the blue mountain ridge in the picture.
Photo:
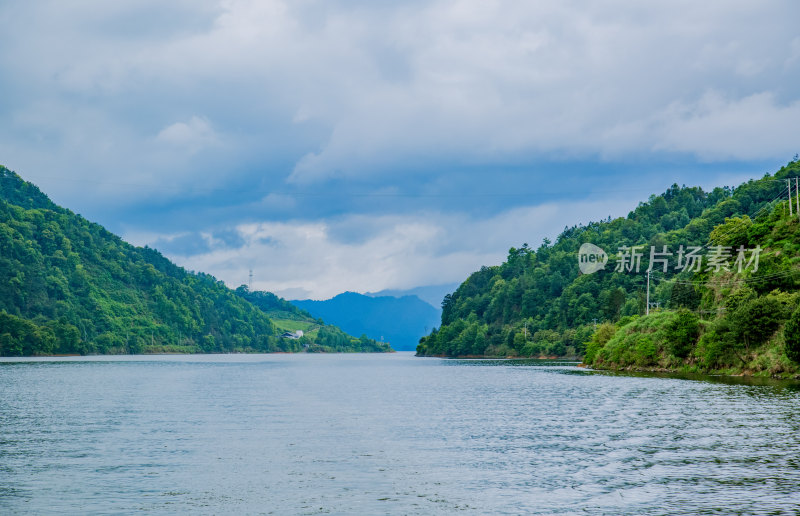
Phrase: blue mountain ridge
(431, 294)
(401, 321)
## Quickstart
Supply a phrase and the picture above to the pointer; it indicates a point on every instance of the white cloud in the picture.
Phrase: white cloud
(322, 258)
(194, 134)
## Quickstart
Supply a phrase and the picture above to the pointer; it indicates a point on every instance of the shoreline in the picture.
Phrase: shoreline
(174, 353)
(729, 373)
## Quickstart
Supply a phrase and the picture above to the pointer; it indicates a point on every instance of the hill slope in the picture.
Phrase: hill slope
(537, 302)
(320, 336)
(69, 286)
(398, 320)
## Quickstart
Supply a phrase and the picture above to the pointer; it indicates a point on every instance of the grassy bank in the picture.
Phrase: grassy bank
(679, 341)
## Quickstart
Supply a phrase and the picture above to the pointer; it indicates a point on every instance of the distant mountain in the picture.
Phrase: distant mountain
(316, 335)
(431, 294)
(401, 321)
(68, 286)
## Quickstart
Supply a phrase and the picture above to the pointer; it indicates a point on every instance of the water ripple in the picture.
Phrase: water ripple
(362, 434)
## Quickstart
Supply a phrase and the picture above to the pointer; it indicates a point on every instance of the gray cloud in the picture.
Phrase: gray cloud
(352, 90)
(292, 123)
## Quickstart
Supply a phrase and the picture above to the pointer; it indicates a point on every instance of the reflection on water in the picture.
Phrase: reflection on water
(791, 385)
(388, 434)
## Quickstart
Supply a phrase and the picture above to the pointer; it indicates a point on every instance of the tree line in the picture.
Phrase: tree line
(69, 286)
(537, 303)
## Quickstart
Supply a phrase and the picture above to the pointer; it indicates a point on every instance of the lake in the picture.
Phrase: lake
(387, 434)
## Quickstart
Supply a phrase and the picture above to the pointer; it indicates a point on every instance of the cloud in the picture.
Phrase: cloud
(322, 258)
(716, 127)
(313, 90)
(498, 82)
(369, 145)
(194, 134)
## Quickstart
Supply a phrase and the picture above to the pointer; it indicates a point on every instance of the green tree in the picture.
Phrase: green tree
(733, 232)
(599, 339)
(681, 333)
(70, 286)
(791, 334)
(756, 320)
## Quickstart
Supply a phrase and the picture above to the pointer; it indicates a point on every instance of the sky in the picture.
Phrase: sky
(333, 146)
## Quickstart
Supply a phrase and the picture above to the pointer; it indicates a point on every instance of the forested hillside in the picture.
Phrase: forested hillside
(69, 286)
(538, 303)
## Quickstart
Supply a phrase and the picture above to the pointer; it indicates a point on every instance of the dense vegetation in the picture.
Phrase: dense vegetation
(537, 303)
(69, 286)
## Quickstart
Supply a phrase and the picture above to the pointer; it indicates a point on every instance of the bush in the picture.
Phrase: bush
(739, 297)
(557, 349)
(714, 350)
(645, 348)
(791, 337)
(755, 321)
(681, 333)
(532, 349)
(599, 338)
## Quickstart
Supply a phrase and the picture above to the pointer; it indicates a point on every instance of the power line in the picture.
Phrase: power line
(751, 279)
(754, 216)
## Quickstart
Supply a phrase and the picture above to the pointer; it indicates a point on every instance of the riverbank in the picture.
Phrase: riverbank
(680, 342)
(687, 370)
(571, 358)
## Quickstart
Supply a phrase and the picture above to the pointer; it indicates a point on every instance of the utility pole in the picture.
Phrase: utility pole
(789, 184)
(797, 195)
(526, 331)
(250, 281)
(595, 323)
(647, 306)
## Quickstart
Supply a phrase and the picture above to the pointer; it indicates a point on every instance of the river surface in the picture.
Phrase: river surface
(387, 434)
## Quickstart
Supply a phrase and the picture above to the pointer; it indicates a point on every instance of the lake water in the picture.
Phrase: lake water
(387, 434)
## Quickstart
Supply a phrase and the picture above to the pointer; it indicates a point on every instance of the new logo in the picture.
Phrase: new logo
(591, 258)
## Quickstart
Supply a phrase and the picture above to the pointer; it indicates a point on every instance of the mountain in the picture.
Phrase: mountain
(431, 294)
(68, 286)
(538, 303)
(322, 337)
(399, 321)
